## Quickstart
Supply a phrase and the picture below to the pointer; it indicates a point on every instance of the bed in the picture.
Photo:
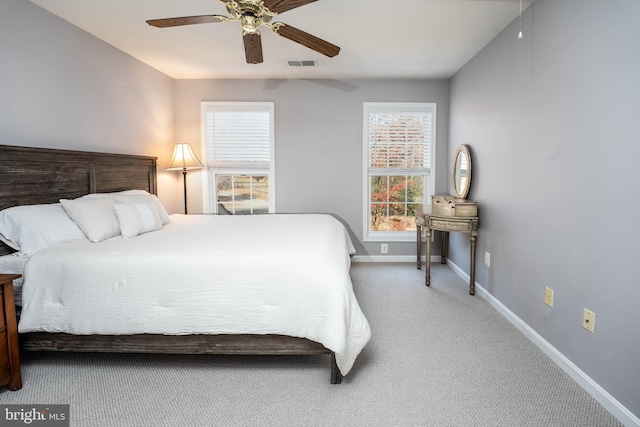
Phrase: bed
(255, 309)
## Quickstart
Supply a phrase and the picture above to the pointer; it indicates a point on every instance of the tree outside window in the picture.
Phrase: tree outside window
(398, 174)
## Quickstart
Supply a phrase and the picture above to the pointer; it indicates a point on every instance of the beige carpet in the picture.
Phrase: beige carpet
(438, 357)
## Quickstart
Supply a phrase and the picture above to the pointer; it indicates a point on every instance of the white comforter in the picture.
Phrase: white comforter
(262, 274)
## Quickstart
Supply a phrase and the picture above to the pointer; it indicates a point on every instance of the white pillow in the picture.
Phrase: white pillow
(31, 228)
(137, 218)
(132, 196)
(95, 217)
(144, 198)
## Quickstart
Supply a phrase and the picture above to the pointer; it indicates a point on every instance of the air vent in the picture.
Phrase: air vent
(302, 63)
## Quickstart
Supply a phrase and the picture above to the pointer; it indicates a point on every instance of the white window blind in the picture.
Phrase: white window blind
(399, 142)
(239, 146)
(238, 139)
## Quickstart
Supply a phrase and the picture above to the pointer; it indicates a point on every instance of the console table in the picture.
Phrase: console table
(425, 218)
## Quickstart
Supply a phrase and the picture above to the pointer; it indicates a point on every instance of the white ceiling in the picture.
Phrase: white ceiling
(379, 39)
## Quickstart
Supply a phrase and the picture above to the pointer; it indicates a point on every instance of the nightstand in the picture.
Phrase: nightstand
(9, 351)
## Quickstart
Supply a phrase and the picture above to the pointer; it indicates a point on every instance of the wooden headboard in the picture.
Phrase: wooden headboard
(30, 176)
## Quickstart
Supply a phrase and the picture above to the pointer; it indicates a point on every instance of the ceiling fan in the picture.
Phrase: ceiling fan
(252, 14)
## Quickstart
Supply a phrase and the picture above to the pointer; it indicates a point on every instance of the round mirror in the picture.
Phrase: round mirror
(462, 172)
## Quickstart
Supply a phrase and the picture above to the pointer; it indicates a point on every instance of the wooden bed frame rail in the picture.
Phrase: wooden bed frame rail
(31, 176)
(271, 345)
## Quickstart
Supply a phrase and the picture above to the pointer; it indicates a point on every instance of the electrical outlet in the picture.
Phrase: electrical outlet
(487, 259)
(548, 296)
(589, 320)
(384, 248)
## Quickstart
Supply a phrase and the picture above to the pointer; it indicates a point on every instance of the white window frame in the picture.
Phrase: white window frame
(429, 185)
(209, 186)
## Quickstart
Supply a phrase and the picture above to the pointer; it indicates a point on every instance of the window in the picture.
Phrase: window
(399, 153)
(239, 146)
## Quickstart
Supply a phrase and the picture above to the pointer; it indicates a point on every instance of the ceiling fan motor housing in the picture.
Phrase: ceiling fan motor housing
(250, 8)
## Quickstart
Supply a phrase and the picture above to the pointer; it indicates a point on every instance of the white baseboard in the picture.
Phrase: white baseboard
(390, 258)
(616, 409)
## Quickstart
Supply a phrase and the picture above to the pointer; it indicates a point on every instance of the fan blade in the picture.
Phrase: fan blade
(279, 6)
(253, 48)
(306, 39)
(187, 20)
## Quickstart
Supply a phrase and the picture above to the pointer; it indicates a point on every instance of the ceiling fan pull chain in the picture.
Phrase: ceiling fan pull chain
(520, 22)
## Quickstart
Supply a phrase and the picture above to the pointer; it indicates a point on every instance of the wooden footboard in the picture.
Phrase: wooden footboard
(180, 344)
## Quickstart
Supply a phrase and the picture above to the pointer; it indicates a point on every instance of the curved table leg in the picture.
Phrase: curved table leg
(427, 264)
(472, 272)
(445, 247)
(419, 247)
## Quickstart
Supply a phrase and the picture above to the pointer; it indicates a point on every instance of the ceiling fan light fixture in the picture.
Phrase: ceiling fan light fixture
(250, 24)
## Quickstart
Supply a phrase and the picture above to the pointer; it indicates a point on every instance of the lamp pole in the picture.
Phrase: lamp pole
(184, 181)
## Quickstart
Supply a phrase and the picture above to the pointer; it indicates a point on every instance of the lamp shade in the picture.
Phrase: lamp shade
(183, 158)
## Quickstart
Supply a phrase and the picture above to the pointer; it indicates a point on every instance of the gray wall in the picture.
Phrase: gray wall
(318, 127)
(63, 88)
(552, 121)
